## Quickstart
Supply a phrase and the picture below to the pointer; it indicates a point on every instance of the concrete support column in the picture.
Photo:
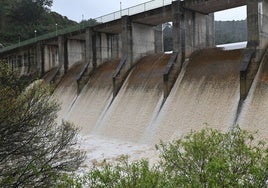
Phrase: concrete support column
(257, 17)
(29, 60)
(89, 47)
(158, 38)
(63, 53)
(253, 23)
(40, 58)
(97, 53)
(115, 46)
(177, 30)
(210, 31)
(127, 41)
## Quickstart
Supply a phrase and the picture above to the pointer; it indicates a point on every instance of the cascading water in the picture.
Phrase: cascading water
(94, 98)
(254, 115)
(207, 95)
(66, 91)
(136, 103)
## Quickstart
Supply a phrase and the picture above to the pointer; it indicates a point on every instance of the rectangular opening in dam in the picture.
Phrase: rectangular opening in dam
(231, 26)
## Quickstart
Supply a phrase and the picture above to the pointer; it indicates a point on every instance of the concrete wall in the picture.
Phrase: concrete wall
(197, 31)
(143, 37)
(106, 46)
(76, 51)
(257, 18)
(51, 57)
(191, 30)
(263, 23)
(158, 39)
(116, 46)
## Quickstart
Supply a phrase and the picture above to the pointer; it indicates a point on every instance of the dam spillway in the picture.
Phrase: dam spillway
(137, 102)
(94, 98)
(66, 90)
(254, 115)
(206, 95)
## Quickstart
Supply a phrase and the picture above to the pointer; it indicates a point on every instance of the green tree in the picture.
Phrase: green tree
(123, 174)
(214, 159)
(20, 18)
(35, 151)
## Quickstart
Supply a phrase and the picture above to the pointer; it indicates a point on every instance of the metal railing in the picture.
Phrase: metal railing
(153, 4)
(150, 5)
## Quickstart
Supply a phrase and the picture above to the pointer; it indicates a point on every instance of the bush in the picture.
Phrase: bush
(208, 158)
(34, 149)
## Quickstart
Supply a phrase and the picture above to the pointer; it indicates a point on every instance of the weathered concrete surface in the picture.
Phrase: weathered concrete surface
(143, 40)
(51, 57)
(76, 51)
(210, 6)
(257, 22)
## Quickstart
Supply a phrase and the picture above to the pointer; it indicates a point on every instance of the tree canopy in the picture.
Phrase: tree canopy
(35, 151)
(20, 18)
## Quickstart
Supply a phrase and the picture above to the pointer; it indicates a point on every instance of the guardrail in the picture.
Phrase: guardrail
(150, 5)
(102, 19)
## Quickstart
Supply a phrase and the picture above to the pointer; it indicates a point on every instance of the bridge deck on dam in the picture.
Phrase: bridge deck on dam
(210, 6)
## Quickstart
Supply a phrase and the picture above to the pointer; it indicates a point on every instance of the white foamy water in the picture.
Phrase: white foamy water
(99, 149)
(66, 91)
(136, 104)
(94, 99)
(207, 96)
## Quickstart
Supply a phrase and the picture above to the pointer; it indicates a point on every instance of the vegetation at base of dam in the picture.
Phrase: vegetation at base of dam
(208, 158)
(35, 150)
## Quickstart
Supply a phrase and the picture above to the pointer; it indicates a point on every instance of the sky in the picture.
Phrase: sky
(85, 9)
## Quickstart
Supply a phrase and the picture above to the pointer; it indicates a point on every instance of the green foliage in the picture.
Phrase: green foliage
(20, 18)
(208, 158)
(213, 159)
(124, 174)
(34, 149)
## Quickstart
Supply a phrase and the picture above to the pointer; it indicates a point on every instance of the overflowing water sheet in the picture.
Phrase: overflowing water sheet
(94, 98)
(206, 93)
(137, 102)
(206, 96)
(66, 91)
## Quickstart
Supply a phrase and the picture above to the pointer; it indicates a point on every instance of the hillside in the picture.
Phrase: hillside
(19, 19)
(230, 31)
(225, 32)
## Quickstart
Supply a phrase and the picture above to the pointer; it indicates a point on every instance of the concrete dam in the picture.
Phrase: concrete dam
(206, 94)
(115, 82)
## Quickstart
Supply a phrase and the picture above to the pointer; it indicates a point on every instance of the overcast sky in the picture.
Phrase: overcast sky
(78, 9)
